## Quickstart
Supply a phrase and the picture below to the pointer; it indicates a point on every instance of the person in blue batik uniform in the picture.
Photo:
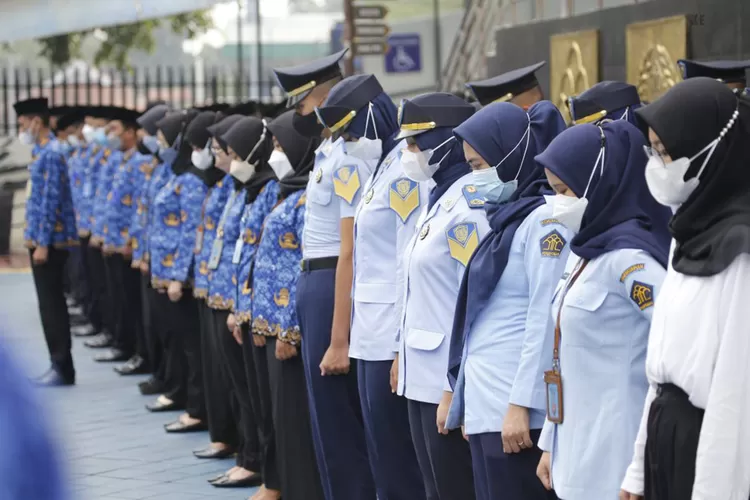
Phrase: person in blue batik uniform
(49, 230)
(222, 427)
(266, 292)
(383, 225)
(151, 359)
(604, 102)
(602, 306)
(324, 288)
(249, 144)
(119, 208)
(447, 231)
(502, 334)
(519, 87)
(176, 215)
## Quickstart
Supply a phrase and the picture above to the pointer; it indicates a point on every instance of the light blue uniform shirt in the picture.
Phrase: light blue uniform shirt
(605, 322)
(435, 259)
(509, 345)
(383, 225)
(333, 192)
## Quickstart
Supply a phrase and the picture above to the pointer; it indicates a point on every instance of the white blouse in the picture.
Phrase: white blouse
(700, 341)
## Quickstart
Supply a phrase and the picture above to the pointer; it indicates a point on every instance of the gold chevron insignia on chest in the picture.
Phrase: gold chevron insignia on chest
(288, 241)
(403, 197)
(463, 239)
(346, 182)
(172, 220)
(250, 237)
(281, 298)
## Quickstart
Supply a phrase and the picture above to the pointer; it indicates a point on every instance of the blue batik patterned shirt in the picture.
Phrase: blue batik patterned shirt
(214, 206)
(121, 205)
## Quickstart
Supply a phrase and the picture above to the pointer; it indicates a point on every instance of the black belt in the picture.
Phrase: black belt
(322, 263)
(668, 389)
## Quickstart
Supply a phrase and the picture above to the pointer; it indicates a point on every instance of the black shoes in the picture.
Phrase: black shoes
(136, 365)
(215, 453)
(112, 355)
(99, 341)
(250, 481)
(157, 407)
(151, 386)
(54, 378)
(86, 330)
(178, 427)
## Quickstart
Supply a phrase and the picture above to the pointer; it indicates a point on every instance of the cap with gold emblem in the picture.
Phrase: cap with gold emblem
(298, 81)
(725, 71)
(505, 87)
(599, 101)
(429, 111)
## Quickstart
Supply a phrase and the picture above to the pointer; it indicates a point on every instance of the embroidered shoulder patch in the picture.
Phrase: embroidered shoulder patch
(473, 198)
(547, 222)
(642, 294)
(632, 269)
(346, 183)
(404, 197)
(463, 239)
(552, 244)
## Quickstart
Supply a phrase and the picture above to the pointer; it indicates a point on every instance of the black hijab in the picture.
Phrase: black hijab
(173, 127)
(713, 226)
(250, 135)
(299, 149)
(197, 136)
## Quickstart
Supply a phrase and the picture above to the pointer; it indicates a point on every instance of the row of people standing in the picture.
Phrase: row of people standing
(409, 223)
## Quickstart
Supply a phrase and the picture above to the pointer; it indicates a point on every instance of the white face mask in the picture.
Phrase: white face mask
(280, 164)
(202, 159)
(417, 166)
(366, 149)
(88, 133)
(241, 170)
(27, 138)
(74, 141)
(569, 209)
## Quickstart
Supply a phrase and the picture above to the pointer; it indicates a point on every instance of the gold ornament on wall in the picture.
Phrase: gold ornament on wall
(653, 48)
(574, 66)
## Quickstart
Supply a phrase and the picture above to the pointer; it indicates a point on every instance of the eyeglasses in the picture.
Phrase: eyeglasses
(652, 153)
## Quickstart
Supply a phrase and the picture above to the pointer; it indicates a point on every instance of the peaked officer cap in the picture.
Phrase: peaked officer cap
(34, 106)
(726, 71)
(506, 86)
(428, 111)
(298, 81)
(346, 99)
(604, 97)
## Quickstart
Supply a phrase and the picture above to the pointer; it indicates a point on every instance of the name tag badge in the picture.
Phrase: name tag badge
(213, 261)
(198, 242)
(237, 251)
(554, 396)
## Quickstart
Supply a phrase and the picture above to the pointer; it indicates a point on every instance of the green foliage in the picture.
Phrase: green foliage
(122, 39)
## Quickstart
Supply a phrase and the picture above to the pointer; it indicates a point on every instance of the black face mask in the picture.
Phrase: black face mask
(143, 149)
(307, 125)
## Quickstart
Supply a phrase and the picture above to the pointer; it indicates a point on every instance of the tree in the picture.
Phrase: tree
(119, 41)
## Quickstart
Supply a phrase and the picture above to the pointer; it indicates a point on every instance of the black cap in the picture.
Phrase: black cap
(219, 106)
(128, 117)
(595, 103)
(217, 130)
(298, 81)
(346, 99)
(506, 86)
(34, 106)
(97, 111)
(74, 116)
(152, 115)
(244, 108)
(726, 71)
(429, 111)
(60, 110)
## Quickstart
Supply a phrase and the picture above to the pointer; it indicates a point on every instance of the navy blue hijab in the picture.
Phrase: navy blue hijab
(493, 132)
(452, 167)
(621, 212)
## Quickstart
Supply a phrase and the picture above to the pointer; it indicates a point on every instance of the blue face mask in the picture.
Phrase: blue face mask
(100, 136)
(114, 142)
(490, 186)
(151, 143)
(167, 155)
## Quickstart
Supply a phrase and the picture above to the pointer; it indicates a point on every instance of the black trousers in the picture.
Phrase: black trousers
(48, 280)
(249, 455)
(100, 306)
(674, 426)
(298, 467)
(256, 372)
(445, 460)
(90, 300)
(155, 331)
(222, 426)
(148, 347)
(174, 362)
(75, 275)
(124, 287)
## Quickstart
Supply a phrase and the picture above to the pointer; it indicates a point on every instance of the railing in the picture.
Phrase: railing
(474, 43)
(182, 87)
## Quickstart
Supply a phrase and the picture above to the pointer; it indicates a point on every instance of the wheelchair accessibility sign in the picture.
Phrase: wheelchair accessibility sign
(404, 53)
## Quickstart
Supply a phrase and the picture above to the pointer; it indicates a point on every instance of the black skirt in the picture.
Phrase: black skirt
(674, 426)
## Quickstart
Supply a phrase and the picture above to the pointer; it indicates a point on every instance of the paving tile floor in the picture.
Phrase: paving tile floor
(113, 448)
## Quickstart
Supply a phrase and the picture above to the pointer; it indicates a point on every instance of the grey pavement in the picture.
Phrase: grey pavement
(112, 447)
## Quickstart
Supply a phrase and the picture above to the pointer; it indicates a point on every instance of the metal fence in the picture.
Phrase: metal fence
(182, 87)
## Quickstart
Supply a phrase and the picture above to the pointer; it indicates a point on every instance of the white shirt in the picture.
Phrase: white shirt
(700, 342)
(446, 236)
(383, 226)
(605, 321)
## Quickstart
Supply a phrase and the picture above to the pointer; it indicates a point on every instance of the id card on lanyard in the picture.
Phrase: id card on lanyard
(218, 246)
(553, 377)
